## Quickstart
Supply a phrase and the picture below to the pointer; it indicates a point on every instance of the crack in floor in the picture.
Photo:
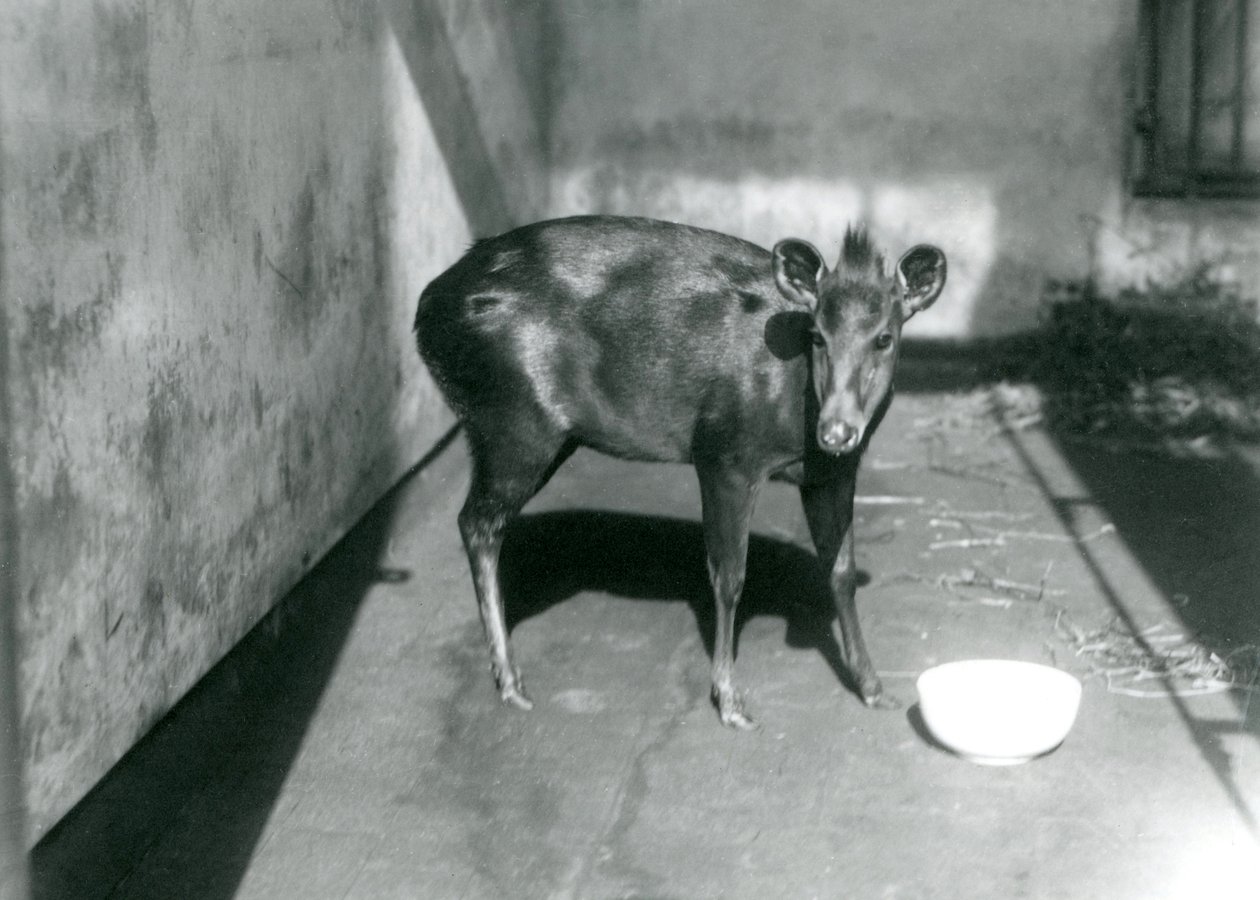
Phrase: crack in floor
(632, 785)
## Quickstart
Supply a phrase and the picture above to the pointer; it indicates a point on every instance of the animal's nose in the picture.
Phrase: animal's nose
(839, 437)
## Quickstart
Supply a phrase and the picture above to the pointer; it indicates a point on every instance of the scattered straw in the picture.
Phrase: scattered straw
(875, 464)
(999, 602)
(973, 578)
(1159, 661)
(984, 514)
(968, 543)
(999, 536)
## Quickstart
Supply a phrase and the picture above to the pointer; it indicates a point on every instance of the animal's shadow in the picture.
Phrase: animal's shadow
(550, 557)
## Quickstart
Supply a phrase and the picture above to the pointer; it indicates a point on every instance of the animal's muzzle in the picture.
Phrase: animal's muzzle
(838, 437)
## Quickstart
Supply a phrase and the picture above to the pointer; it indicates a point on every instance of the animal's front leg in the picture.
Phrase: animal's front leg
(727, 499)
(829, 511)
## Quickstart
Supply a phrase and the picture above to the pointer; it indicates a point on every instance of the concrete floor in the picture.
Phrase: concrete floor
(353, 746)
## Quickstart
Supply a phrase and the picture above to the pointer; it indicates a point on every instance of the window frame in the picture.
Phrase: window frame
(1154, 177)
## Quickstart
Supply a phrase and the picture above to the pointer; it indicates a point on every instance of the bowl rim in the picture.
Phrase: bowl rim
(940, 670)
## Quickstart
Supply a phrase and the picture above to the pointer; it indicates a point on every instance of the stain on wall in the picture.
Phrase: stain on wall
(216, 220)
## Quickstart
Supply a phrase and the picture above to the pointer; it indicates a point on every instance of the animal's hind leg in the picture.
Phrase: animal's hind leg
(506, 474)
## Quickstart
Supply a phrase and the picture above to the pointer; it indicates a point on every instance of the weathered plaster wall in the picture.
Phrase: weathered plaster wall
(1141, 241)
(13, 874)
(996, 130)
(216, 219)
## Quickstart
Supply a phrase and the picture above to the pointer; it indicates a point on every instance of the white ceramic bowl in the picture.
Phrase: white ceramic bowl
(998, 712)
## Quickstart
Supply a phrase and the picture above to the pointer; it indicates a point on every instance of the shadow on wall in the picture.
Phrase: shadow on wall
(445, 93)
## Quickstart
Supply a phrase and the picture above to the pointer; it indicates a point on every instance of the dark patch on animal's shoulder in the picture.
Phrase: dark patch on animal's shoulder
(787, 333)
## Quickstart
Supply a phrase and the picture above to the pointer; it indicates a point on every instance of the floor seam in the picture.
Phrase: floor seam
(618, 822)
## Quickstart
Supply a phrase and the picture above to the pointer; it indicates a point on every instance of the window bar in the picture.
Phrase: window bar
(1197, 37)
(1240, 82)
(1148, 113)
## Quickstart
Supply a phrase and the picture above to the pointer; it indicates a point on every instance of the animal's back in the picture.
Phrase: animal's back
(641, 338)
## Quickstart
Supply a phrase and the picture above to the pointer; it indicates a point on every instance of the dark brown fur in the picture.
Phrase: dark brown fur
(655, 341)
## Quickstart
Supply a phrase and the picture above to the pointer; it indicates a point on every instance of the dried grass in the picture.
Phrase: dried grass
(1175, 360)
(972, 578)
(999, 537)
(1159, 661)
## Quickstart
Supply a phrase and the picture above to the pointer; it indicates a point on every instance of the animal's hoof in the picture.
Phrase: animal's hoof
(740, 721)
(511, 688)
(882, 701)
(514, 695)
(731, 712)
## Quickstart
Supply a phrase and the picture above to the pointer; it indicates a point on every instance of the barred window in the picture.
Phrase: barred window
(1198, 109)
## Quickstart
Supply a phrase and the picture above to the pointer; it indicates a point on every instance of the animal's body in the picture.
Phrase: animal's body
(649, 340)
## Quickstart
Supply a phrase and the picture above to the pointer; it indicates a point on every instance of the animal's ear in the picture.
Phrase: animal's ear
(798, 267)
(921, 276)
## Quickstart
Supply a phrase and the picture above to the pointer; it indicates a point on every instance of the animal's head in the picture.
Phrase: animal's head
(858, 309)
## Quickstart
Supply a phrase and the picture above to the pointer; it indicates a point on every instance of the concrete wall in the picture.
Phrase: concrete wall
(216, 219)
(997, 130)
(13, 873)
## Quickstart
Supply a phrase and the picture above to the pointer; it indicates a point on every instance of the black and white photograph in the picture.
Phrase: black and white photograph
(629, 449)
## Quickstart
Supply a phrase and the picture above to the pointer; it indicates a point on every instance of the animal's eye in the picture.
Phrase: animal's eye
(884, 341)
(816, 339)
